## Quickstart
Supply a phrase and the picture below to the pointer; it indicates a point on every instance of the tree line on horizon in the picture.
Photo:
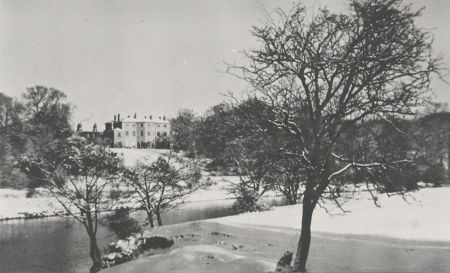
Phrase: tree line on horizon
(239, 139)
(30, 125)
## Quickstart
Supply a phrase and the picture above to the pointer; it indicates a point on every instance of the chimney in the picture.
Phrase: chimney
(145, 117)
(164, 117)
(151, 116)
(94, 128)
(79, 128)
(135, 115)
(114, 118)
(118, 117)
(159, 117)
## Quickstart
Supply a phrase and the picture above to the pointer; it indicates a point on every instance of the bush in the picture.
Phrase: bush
(402, 178)
(156, 242)
(130, 248)
(121, 251)
(248, 201)
(122, 224)
(435, 174)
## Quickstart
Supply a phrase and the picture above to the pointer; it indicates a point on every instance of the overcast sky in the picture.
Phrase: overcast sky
(147, 56)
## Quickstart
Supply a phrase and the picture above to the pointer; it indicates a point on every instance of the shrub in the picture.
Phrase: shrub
(156, 242)
(130, 248)
(435, 174)
(248, 201)
(122, 224)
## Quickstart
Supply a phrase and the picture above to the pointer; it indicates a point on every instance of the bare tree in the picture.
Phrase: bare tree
(253, 161)
(161, 186)
(322, 74)
(288, 179)
(80, 178)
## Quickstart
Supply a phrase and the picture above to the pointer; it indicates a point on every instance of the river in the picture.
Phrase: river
(61, 244)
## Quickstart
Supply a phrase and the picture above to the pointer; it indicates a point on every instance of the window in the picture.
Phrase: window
(148, 133)
(126, 133)
(142, 125)
(142, 133)
(158, 134)
(134, 125)
(134, 133)
(164, 134)
(165, 126)
(158, 125)
(118, 134)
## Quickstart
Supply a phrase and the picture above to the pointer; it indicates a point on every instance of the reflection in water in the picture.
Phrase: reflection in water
(61, 245)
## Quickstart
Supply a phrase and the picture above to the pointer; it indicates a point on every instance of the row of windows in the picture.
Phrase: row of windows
(142, 134)
(148, 125)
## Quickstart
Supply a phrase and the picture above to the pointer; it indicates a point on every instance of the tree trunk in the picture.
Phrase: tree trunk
(95, 254)
(448, 159)
(305, 235)
(158, 218)
(150, 218)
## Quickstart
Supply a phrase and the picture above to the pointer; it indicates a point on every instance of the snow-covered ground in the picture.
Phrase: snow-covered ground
(426, 216)
(131, 156)
(14, 204)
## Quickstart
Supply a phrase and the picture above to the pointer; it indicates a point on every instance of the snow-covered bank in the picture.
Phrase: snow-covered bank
(14, 205)
(206, 246)
(424, 217)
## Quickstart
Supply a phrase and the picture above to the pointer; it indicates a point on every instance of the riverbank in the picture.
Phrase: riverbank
(14, 204)
(221, 248)
(400, 236)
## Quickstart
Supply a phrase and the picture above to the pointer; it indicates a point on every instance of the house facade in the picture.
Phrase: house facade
(134, 132)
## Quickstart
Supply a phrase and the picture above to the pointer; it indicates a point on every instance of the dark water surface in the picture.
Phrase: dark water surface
(61, 245)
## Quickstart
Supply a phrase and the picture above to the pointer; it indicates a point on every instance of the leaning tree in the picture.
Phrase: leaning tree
(324, 73)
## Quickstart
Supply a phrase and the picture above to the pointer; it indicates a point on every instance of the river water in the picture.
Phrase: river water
(61, 244)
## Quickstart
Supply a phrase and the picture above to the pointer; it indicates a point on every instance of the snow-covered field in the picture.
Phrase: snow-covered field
(426, 216)
(13, 204)
(131, 156)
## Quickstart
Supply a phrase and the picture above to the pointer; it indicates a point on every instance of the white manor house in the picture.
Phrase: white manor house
(134, 132)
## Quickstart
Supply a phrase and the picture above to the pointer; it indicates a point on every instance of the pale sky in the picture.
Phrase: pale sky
(145, 56)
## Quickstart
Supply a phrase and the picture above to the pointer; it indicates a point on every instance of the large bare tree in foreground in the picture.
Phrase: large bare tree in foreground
(323, 73)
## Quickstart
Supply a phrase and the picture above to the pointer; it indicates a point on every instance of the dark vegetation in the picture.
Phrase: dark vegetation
(122, 224)
(140, 244)
(31, 125)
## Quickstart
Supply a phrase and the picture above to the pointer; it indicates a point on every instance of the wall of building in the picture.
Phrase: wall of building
(141, 133)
